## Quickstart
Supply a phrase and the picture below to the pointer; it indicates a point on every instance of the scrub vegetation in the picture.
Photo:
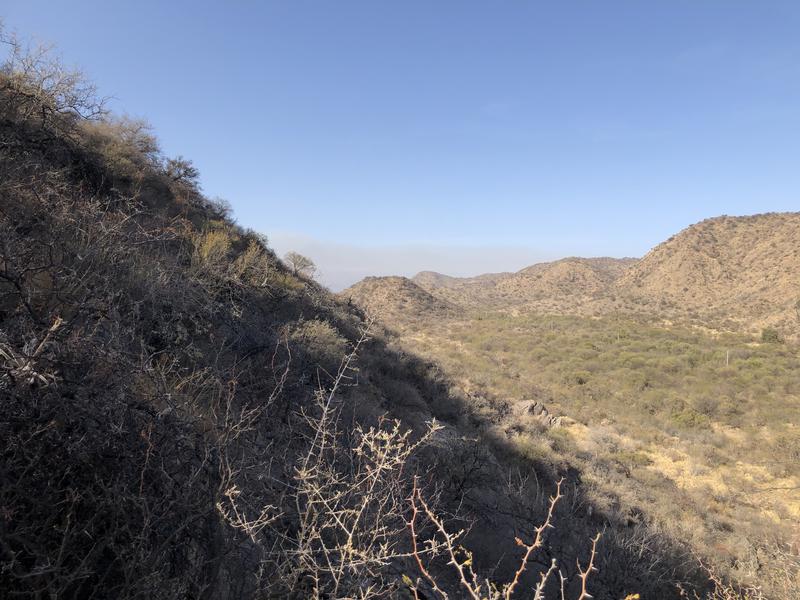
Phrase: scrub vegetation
(700, 432)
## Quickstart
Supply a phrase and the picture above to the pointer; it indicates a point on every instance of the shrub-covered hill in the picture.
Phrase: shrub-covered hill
(170, 394)
(732, 274)
(735, 273)
(568, 285)
(397, 299)
(182, 417)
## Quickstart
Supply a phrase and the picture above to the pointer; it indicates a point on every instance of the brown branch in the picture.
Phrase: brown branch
(537, 542)
(584, 574)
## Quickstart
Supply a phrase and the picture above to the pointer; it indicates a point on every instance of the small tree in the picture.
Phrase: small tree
(183, 171)
(300, 265)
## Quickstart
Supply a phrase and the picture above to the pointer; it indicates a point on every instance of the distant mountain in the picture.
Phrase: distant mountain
(743, 272)
(432, 280)
(728, 273)
(562, 285)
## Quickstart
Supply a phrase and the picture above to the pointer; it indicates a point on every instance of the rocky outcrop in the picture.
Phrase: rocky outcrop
(538, 410)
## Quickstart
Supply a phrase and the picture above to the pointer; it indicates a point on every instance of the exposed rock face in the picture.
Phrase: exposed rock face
(539, 410)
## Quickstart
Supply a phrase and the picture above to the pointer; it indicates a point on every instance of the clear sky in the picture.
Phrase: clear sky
(460, 136)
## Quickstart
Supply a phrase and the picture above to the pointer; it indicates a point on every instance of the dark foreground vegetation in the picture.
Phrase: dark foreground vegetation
(182, 416)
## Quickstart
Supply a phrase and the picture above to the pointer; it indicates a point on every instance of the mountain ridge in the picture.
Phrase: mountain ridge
(737, 273)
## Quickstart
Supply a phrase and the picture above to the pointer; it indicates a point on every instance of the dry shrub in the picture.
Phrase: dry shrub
(127, 146)
(211, 250)
(322, 345)
(40, 89)
(253, 266)
(469, 583)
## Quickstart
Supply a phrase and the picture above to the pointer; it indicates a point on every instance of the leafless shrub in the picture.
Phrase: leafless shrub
(721, 590)
(40, 87)
(127, 146)
(461, 559)
(299, 264)
(346, 497)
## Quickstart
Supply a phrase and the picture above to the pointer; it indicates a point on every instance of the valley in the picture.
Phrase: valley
(671, 383)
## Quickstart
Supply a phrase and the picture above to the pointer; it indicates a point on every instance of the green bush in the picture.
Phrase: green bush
(320, 342)
(689, 418)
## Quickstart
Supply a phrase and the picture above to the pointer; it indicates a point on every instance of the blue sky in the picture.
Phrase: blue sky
(460, 136)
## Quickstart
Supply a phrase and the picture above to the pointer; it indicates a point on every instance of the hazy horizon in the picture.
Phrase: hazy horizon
(340, 265)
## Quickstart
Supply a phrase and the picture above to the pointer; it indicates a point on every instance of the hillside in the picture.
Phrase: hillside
(652, 378)
(700, 429)
(564, 285)
(432, 280)
(738, 274)
(397, 299)
(731, 272)
(691, 430)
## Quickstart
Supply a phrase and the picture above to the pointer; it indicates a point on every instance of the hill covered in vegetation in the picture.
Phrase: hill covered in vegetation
(693, 429)
(564, 285)
(395, 299)
(734, 273)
